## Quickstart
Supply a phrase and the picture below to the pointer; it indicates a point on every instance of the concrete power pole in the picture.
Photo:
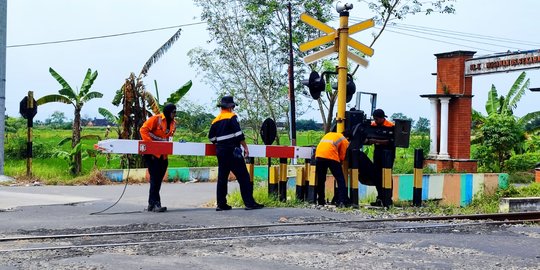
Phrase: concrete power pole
(3, 34)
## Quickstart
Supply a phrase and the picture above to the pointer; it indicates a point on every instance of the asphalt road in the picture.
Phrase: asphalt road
(58, 210)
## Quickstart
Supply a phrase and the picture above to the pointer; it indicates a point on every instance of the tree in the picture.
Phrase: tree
(395, 116)
(77, 98)
(501, 133)
(56, 120)
(153, 104)
(422, 125)
(137, 103)
(251, 57)
(307, 125)
(196, 120)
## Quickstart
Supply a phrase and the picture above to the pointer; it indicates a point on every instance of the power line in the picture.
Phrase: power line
(455, 35)
(442, 41)
(103, 36)
(429, 31)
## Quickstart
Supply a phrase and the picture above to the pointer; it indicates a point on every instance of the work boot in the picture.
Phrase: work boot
(224, 207)
(159, 208)
(254, 206)
(378, 202)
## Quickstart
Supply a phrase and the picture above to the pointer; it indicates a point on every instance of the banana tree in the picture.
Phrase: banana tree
(505, 105)
(500, 133)
(153, 105)
(137, 103)
(69, 156)
(77, 98)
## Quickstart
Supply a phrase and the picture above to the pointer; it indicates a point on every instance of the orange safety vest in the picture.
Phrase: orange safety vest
(155, 129)
(332, 146)
(386, 123)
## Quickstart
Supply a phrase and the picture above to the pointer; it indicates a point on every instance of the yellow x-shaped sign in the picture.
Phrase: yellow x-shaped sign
(331, 35)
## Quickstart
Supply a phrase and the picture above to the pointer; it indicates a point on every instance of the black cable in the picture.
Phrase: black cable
(121, 195)
(100, 37)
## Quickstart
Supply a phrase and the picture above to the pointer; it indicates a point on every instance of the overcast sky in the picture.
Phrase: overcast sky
(399, 71)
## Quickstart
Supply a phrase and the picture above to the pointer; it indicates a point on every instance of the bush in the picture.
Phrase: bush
(15, 149)
(521, 177)
(523, 162)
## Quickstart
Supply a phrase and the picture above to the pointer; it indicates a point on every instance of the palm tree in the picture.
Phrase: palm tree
(77, 98)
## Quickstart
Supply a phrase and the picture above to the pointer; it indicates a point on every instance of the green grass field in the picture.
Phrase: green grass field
(48, 167)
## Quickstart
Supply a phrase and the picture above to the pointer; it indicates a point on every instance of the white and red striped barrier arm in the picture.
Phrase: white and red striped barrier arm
(118, 146)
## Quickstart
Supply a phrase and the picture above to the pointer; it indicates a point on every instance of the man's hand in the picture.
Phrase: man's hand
(246, 152)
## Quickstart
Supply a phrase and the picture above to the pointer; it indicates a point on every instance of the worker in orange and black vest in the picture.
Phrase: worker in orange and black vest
(330, 152)
(159, 127)
(379, 120)
(226, 134)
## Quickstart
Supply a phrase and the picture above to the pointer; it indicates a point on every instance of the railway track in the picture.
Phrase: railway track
(259, 231)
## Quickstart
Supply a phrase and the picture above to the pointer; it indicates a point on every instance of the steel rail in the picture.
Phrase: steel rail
(276, 235)
(498, 216)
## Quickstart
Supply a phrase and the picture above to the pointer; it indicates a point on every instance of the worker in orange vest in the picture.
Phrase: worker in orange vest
(159, 127)
(379, 120)
(330, 152)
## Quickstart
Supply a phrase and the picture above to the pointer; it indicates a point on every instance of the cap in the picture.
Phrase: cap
(379, 113)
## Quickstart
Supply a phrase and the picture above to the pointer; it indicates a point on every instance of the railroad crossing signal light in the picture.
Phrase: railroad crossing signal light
(351, 88)
(316, 84)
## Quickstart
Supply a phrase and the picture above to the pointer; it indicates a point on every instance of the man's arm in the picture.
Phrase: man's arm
(246, 150)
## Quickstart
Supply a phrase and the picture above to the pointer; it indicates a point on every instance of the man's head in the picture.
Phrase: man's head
(379, 116)
(169, 110)
(227, 102)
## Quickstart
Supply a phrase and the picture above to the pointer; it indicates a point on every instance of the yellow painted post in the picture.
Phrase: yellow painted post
(282, 179)
(29, 105)
(307, 171)
(251, 168)
(355, 165)
(343, 35)
(387, 179)
(418, 175)
(273, 181)
(300, 178)
(312, 187)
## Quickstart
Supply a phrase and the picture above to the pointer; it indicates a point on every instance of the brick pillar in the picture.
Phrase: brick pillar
(451, 80)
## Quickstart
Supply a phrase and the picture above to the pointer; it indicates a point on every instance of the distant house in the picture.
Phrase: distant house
(97, 123)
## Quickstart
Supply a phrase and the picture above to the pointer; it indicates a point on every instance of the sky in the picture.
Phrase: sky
(399, 71)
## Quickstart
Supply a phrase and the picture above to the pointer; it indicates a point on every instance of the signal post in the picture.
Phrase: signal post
(342, 41)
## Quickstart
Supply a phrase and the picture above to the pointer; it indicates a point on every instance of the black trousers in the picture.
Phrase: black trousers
(227, 163)
(323, 164)
(157, 167)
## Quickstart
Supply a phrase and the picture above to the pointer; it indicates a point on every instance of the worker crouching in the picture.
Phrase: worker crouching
(330, 153)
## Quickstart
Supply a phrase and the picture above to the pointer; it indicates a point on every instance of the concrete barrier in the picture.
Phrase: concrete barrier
(456, 189)
(526, 204)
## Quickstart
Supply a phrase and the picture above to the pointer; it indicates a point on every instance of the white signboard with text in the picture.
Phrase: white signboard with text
(503, 62)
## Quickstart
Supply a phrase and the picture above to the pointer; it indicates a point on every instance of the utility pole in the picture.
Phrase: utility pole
(291, 82)
(3, 34)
